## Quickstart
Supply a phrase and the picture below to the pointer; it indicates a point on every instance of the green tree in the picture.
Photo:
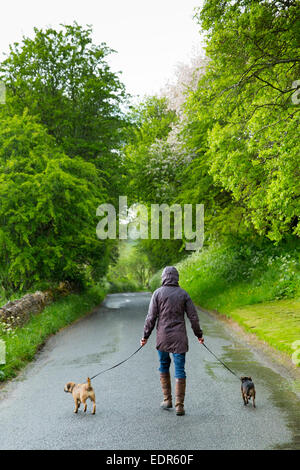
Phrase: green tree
(148, 158)
(47, 210)
(223, 216)
(253, 145)
(64, 80)
(154, 163)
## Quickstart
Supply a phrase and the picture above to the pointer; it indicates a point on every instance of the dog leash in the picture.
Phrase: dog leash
(228, 368)
(116, 365)
(135, 352)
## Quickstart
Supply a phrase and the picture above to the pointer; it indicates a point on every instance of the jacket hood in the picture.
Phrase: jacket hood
(170, 276)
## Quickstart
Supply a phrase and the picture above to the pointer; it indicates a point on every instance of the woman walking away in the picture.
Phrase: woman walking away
(167, 307)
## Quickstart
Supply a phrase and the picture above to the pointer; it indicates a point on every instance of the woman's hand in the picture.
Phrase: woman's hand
(143, 341)
(201, 340)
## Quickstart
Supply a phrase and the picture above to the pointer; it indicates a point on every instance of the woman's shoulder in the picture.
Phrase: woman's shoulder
(176, 289)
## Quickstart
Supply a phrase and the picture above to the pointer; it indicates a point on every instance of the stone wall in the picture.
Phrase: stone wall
(17, 312)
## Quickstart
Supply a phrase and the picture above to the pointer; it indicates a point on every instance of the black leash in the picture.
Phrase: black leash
(221, 361)
(122, 362)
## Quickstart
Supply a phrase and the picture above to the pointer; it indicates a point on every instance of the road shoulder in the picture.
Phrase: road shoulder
(279, 361)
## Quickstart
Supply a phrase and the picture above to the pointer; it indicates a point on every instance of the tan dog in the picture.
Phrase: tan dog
(81, 392)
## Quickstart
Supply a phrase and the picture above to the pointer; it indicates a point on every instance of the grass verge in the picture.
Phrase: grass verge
(23, 343)
(277, 323)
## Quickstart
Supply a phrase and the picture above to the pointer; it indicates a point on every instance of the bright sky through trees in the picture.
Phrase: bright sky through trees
(151, 36)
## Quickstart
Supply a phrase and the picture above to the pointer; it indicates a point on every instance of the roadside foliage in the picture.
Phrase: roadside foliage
(60, 131)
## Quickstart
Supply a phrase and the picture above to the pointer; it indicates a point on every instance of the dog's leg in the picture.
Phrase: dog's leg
(245, 403)
(76, 405)
(94, 406)
(254, 400)
(85, 404)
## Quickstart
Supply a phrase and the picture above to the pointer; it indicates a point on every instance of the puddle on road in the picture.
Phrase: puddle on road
(115, 303)
(242, 361)
(209, 367)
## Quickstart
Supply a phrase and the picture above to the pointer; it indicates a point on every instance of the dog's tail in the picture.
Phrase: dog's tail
(88, 380)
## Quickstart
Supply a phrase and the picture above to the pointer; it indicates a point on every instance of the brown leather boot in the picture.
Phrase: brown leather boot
(180, 394)
(165, 381)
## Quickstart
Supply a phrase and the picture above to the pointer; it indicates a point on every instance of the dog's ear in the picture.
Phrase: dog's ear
(249, 378)
(69, 387)
(243, 378)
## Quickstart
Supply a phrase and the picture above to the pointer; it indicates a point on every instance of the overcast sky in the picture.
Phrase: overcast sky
(150, 36)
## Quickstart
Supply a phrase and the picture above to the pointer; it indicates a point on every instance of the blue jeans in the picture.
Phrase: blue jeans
(179, 363)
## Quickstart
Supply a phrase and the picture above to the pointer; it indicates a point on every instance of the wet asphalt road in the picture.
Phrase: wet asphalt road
(35, 413)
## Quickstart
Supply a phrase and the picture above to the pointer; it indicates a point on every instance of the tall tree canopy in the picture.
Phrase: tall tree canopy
(253, 144)
(233, 144)
(64, 80)
(60, 134)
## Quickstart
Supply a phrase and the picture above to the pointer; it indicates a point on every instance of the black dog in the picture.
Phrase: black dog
(248, 390)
